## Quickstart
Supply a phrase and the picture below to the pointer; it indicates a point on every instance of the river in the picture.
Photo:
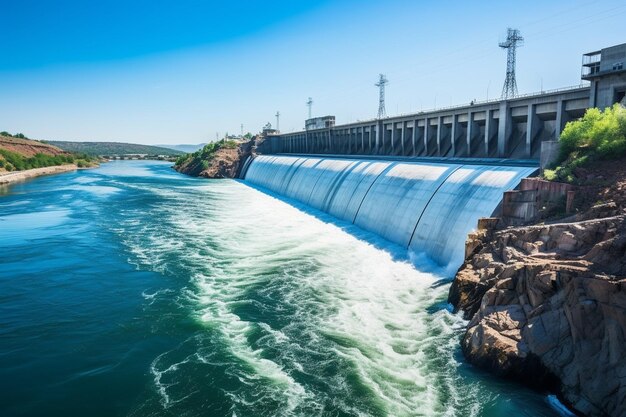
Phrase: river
(132, 290)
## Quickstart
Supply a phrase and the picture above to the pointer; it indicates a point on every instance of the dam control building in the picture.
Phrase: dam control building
(511, 128)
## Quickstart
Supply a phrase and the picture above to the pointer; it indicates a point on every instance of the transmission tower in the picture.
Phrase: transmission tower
(513, 40)
(277, 120)
(309, 104)
(382, 81)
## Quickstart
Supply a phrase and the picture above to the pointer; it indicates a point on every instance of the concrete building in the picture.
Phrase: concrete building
(512, 128)
(319, 123)
(606, 70)
(269, 131)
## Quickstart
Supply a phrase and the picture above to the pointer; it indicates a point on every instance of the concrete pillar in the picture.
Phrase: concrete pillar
(505, 124)
(362, 139)
(414, 137)
(393, 137)
(470, 130)
(488, 129)
(532, 127)
(379, 131)
(348, 144)
(439, 130)
(330, 140)
(402, 134)
(561, 119)
(426, 129)
(454, 132)
(593, 94)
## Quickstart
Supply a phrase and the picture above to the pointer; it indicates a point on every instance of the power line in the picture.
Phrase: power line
(382, 81)
(513, 40)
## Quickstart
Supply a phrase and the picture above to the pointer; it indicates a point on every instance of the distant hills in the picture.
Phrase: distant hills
(113, 148)
(185, 148)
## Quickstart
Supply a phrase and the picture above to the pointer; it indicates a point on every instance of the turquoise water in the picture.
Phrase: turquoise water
(131, 290)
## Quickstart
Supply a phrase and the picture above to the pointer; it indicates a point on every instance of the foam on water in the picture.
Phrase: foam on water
(362, 314)
(235, 303)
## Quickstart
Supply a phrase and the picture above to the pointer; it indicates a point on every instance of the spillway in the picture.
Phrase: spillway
(426, 207)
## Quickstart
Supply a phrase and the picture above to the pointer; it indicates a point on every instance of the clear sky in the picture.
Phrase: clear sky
(166, 72)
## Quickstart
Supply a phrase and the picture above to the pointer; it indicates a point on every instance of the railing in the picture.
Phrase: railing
(580, 86)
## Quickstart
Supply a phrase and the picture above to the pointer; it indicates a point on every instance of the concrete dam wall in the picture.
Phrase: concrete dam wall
(426, 207)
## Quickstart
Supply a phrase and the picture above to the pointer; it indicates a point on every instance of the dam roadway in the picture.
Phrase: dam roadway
(505, 129)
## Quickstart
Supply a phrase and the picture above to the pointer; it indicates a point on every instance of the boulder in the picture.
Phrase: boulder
(547, 306)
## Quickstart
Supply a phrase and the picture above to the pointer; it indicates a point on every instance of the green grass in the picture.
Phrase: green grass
(597, 136)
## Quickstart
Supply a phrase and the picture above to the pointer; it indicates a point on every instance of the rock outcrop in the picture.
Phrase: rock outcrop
(547, 306)
(225, 162)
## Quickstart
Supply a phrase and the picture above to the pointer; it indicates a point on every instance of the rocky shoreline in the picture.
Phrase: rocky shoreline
(547, 306)
(17, 176)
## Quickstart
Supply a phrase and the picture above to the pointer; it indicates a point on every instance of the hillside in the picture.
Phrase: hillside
(28, 148)
(20, 154)
(222, 159)
(113, 148)
(186, 148)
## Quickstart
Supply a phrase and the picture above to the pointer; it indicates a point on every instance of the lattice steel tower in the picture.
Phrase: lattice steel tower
(277, 120)
(309, 104)
(382, 81)
(513, 40)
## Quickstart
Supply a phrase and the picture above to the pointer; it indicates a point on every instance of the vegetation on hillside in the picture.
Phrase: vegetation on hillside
(113, 148)
(597, 136)
(13, 161)
(202, 157)
(17, 135)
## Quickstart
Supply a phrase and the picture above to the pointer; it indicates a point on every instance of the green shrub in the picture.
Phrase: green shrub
(203, 156)
(598, 135)
(19, 162)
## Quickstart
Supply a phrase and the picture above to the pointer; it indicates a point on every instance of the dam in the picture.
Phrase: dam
(426, 207)
(422, 180)
(515, 127)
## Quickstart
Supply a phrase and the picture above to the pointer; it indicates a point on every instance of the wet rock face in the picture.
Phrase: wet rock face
(547, 305)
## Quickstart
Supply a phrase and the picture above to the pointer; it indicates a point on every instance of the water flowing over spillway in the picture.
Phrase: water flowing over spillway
(427, 207)
(133, 290)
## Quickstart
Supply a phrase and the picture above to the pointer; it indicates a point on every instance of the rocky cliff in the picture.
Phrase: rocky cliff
(547, 306)
(216, 160)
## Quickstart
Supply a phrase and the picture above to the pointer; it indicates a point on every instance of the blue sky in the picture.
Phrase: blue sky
(180, 71)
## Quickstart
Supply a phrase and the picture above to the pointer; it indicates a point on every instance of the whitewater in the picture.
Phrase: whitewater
(132, 290)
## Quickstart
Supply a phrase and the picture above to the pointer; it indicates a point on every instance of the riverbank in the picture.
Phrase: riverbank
(546, 301)
(216, 160)
(17, 176)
